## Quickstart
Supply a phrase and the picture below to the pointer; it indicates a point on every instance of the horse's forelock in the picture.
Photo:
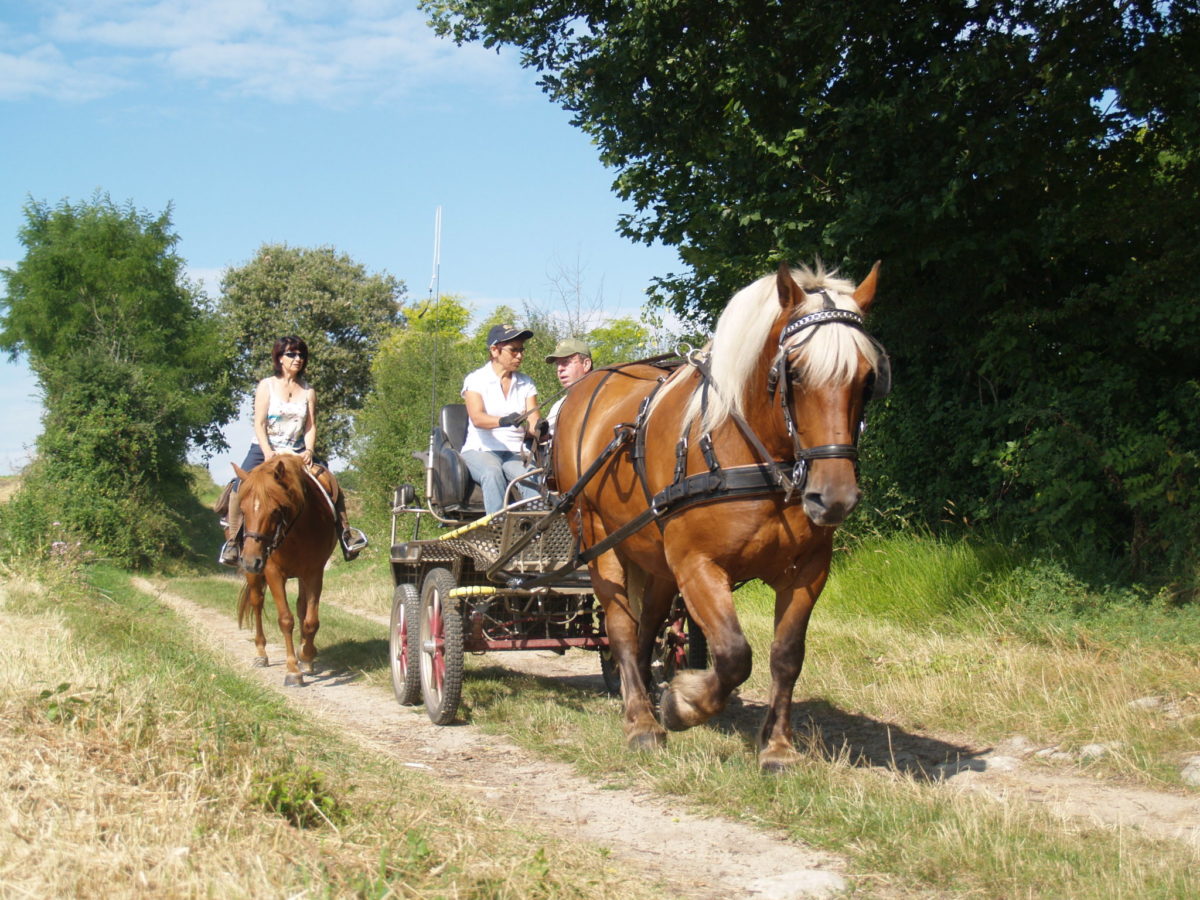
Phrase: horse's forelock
(263, 485)
(741, 335)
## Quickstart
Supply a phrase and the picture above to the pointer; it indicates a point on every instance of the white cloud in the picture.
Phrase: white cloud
(313, 50)
(43, 71)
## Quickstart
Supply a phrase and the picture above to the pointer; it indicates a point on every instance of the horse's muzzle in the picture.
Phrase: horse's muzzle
(829, 508)
(253, 564)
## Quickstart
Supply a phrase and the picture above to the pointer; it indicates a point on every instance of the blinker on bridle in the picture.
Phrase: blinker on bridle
(781, 374)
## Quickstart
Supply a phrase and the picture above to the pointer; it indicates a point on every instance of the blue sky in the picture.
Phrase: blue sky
(310, 122)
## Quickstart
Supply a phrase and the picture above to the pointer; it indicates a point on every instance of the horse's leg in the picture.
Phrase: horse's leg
(622, 610)
(308, 612)
(255, 585)
(278, 584)
(694, 696)
(794, 603)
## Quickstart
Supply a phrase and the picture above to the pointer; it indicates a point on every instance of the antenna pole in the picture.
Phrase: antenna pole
(435, 299)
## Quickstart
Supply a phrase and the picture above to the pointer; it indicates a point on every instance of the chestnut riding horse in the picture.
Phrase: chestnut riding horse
(739, 464)
(289, 532)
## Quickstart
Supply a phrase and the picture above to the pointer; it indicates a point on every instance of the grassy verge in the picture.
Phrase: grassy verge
(137, 765)
(914, 638)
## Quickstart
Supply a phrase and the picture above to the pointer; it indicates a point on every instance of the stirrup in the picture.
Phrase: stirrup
(353, 543)
(230, 554)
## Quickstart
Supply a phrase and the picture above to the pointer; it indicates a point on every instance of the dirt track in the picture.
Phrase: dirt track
(645, 831)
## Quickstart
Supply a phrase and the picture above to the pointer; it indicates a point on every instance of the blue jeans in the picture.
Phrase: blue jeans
(493, 469)
(254, 458)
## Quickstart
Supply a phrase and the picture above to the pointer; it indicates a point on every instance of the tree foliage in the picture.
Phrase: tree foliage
(1027, 170)
(416, 370)
(132, 372)
(341, 312)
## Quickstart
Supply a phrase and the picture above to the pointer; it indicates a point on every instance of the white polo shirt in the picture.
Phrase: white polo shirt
(485, 382)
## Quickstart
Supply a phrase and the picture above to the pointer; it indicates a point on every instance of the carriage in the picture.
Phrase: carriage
(509, 581)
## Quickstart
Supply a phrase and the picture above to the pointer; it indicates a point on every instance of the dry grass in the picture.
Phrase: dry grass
(122, 781)
(8, 486)
(987, 686)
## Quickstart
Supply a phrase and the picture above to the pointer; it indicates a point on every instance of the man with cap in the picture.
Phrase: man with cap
(573, 359)
(497, 395)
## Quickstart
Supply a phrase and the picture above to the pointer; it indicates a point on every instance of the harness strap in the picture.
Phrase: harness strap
(706, 487)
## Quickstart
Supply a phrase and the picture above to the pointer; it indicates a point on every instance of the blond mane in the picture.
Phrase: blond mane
(829, 356)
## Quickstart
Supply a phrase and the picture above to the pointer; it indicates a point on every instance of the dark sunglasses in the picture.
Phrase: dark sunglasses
(295, 354)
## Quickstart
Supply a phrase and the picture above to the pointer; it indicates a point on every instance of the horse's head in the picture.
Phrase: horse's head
(824, 369)
(270, 497)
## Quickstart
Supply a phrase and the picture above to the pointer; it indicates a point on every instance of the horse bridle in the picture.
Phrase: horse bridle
(282, 527)
(782, 373)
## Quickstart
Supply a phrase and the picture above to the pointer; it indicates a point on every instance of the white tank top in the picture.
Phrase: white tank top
(286, 420)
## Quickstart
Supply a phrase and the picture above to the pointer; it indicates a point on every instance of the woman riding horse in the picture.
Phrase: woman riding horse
(285, 421)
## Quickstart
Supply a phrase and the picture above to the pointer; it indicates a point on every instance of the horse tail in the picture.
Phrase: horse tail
(243, 603)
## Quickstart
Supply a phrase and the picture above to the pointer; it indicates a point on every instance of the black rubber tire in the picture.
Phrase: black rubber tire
(403, 640)
(610, 672)
(697, 646)
(441, 645)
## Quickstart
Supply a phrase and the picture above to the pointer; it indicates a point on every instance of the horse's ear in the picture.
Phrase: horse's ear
(864, 294)
(280, 471)
(238, 471)
(789, 291)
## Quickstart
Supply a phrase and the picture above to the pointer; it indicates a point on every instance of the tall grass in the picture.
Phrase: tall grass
(136, 765)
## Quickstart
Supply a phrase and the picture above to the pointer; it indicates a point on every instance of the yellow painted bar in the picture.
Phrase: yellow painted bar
(478, 523)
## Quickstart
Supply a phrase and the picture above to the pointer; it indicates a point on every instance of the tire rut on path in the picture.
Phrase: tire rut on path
(1002, 772)
(697, 857)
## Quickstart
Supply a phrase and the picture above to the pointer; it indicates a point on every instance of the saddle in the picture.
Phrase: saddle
(326, 479)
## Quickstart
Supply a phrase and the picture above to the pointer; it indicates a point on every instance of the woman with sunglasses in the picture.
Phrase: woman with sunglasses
(501, 407)
(285, 421)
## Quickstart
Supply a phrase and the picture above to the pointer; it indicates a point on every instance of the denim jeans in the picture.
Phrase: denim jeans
(493, 469)
(254, 458)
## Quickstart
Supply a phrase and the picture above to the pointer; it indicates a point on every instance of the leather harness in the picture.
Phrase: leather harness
(767, 476)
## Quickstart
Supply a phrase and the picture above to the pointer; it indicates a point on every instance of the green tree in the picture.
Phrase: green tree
(333, 304)
(416, 370)
(132, 371)
(1027, 170)
(620, 340)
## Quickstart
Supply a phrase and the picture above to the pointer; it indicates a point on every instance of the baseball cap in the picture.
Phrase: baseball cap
(569, 347)
(500, 334)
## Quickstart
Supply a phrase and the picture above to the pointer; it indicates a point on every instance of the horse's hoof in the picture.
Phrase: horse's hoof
(647, 741)
(260, 662)
(778, 762)
(676, 710)
(293, 680)
(675, 713)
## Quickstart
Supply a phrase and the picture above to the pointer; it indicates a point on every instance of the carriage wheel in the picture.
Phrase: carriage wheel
(681, 645)
(610, 672)
(405, 638)
(441, 646)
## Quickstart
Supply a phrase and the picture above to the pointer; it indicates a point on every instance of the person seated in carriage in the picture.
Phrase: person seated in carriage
(285, 408)
(572, 359)
(501, 406)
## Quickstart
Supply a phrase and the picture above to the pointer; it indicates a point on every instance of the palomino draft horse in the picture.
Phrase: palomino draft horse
(289, 533)
(738, 465)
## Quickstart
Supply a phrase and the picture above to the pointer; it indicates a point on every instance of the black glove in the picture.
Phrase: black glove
(509, 420)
